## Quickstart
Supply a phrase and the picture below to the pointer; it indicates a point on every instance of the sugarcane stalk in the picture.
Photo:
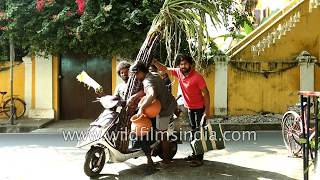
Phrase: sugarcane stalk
(134, 85)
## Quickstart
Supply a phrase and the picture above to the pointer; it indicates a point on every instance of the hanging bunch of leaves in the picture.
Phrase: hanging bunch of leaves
(190, 17)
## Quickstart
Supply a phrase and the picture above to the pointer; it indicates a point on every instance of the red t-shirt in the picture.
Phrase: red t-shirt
(191, 86)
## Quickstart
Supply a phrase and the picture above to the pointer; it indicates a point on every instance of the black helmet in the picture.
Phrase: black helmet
(139, 66)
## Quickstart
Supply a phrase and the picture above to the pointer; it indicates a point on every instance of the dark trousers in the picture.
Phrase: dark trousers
(146, 140)
(195, 116)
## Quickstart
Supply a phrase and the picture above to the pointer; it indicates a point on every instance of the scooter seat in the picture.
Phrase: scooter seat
(132, 150)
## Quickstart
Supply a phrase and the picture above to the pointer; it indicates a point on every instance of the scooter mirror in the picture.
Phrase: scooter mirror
(109, 101)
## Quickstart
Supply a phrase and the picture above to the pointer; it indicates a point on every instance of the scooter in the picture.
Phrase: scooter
(101, 137)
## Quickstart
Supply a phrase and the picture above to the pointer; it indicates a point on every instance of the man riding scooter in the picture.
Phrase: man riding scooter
(154, 88)
(102, 147)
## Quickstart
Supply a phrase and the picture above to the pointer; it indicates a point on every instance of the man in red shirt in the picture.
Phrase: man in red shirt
(195, 93)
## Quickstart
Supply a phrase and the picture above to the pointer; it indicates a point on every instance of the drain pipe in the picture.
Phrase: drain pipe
(12, 108)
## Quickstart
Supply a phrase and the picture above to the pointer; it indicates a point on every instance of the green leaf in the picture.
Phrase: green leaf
(247, 28)
(302, 140)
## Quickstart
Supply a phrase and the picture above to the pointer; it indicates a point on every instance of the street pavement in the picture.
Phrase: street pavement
(35, 156)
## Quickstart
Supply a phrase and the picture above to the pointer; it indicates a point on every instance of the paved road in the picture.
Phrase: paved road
(48, 156)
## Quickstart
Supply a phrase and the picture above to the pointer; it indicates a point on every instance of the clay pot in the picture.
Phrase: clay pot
(140, 124)
(153, 110)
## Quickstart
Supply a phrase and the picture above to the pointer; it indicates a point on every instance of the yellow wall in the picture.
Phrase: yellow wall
(209, 78)
(18, 79)
(317, 78)
(114, 73)
(174, 85)
(305, 36)
(55, 81)
(251, 93)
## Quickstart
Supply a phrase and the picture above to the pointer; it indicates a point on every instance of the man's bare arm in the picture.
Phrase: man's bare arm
(150, 96)
(134, 98)
(206, 97)
(160, 66)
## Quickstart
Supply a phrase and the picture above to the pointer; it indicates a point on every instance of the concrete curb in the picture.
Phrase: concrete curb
(251, 127)
(25, 125)
(242, 127)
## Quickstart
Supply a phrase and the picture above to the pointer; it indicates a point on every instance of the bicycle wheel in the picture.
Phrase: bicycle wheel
(291, 132)
(19, 104)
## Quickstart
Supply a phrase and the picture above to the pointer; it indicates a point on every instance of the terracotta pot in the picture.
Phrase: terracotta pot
(153, 110)
(140, 124)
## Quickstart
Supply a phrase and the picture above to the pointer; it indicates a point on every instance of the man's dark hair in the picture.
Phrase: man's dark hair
(139, 66)
(123, 65)
(184, 57)
(153, 68)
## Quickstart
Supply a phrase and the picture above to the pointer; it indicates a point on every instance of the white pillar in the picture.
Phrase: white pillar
(221, 86)
(306, 76)
(43, 88)
(306, 62)
(27, 82)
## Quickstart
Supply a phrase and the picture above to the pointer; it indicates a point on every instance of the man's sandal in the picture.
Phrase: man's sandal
(196, 163)
(190, 158)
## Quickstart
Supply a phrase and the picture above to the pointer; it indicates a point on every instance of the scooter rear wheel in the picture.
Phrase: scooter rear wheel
(173, 147)
(94, 162)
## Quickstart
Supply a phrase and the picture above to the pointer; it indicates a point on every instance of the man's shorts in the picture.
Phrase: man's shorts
(162, 123)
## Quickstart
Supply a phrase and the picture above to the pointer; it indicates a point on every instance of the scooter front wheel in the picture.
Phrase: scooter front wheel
(94, 162)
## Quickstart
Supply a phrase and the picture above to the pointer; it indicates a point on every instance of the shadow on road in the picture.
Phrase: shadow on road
(179, 169)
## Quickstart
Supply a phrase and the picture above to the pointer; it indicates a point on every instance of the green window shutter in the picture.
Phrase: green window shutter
(4, 54)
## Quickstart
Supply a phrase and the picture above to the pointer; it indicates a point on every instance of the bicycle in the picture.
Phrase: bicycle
(18, 104)
(292, 131)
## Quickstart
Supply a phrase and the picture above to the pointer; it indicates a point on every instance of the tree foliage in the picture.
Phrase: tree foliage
(106, 27)
(190, 17)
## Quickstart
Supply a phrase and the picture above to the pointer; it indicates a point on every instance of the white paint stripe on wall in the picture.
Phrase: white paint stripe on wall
(221, 88)
(28, 82)
(43, 82)
(306, 76)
